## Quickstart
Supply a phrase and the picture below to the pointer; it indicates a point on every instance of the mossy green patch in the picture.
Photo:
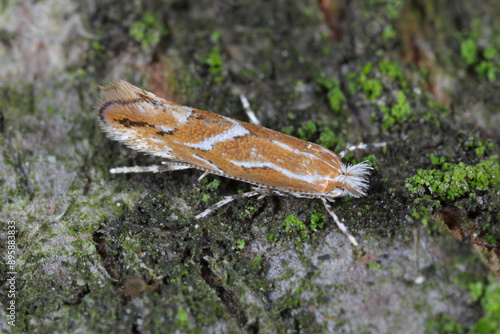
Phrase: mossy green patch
(490, 321)
(393, 70)
(468, 51)
(295, 225)
(97, 52)
(372, 87)
(487, 69)
(371, 160)
(480, 50)
(205, 198)
(372, 80)
(148, 30)
(306, 131)
(437, 161)
(240, 244)
(214, 61)
(215, 64)
(317, 221)
(444, 324)
(296, 230)
(365, 81)
(481, 147)
(423, 216)
(328, 139)
(310, 130)
(399, 113)
(453, 181)
(17, 100)
(182, 317)
(214, 184)
(334, 93)
(250, 270)
(389, 33)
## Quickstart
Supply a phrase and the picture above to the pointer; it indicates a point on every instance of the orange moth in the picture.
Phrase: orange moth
(277, 164)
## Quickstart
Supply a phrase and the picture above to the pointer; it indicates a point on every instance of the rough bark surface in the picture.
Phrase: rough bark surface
(100, 253)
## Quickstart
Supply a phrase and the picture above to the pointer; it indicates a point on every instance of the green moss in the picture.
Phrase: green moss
(485, 61)
(290, 116)
(205, 198)
(336, 98)
(400, 113)
(393, 70)
(453, 181)
(476, 290)
(294, 224)
(256, 264)
(215, 64)
(182, 317)
(309, 132)
(18, 100)
(389, 33)
(306, 131)
(370, 160)
(328, 139)
(147, 31)
(296, 230)
(293, 300)
(334, 93)
(371, 86)
(482, 147)
(468, 51)
(98, 52)
(491, 239)
(240, 244)
(487, 69)
(422, 215)
(213, 185)
(214, 61)
(288, 129)
(437, 161)
(317, 221)
(490, 321)
(444, 324)
(489, 52)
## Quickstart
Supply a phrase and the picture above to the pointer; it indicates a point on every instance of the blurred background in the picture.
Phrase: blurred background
(96, 252)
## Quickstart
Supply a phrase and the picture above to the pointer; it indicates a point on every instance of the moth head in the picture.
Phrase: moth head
(353, 180)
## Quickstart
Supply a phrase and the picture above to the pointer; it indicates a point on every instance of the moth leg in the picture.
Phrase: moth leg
(250, 113)
(227, 199)
(167, 166)
(202, 176)
(360, 146)
(341, 226)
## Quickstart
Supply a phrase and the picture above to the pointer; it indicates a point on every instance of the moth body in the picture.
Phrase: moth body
(192, 138)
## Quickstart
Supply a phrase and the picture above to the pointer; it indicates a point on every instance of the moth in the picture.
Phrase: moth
(277, 164)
